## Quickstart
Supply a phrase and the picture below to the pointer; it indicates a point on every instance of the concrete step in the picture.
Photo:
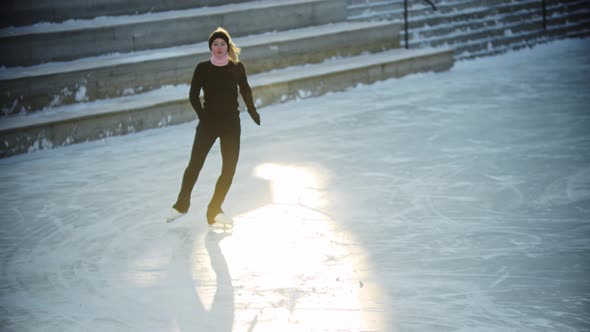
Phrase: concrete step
(395, 9)
(421, 14)
(466, 6)
(359, 10)
(460, 14)
(474, 25)
(84, 38)
(22, 13)
(486, 35)
(33, 88)
(516, 39)
(169, 105)
(473, 14)
(578, 28)
(559, 15)
(497, 45)
(479, 37)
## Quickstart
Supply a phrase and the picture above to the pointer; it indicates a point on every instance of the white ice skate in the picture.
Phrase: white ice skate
(173, 215)
(222, 220)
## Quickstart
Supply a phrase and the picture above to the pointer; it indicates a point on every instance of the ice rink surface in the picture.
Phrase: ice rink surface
(457, 201)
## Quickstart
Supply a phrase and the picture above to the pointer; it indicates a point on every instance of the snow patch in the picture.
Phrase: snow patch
(40, 144)
(10, 109)
(81, 93)
(128, 92)
(165, 121)
(304, 94)
(54, 102)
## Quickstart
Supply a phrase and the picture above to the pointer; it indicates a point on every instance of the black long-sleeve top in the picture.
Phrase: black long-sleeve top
(220, 89)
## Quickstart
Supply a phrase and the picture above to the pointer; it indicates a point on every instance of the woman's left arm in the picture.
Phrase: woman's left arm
(246, 93)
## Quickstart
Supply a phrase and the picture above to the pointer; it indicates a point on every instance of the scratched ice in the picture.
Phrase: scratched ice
(457, 201)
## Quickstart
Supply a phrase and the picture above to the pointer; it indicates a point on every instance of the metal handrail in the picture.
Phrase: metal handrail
(406, 17)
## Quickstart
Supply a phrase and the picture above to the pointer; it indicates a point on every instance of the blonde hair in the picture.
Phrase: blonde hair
(232, 50)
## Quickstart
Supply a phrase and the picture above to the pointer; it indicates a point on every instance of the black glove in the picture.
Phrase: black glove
(255, 116)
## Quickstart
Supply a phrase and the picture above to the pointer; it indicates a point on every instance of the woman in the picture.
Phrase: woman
(219, 78)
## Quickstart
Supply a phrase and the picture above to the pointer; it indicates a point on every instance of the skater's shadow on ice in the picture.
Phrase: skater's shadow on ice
(284, 257)
(204, 298)
(288, 256)
(222, 307)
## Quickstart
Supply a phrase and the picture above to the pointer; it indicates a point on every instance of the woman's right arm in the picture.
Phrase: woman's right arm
(195, 92)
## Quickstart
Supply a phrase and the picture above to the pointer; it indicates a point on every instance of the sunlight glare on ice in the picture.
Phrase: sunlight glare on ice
(293, 264)
(288, 183)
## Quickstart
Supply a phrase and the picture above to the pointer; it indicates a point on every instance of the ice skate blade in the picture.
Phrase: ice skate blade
(218, 228)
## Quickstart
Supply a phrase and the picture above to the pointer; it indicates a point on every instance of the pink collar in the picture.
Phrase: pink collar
(220, 61)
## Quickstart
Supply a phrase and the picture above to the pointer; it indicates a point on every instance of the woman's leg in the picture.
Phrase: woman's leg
(204, 139)
(230, 152)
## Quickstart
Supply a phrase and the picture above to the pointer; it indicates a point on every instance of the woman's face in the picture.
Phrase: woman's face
(219, 47)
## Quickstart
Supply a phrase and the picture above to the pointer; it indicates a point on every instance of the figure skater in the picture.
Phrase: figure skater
(219, 78)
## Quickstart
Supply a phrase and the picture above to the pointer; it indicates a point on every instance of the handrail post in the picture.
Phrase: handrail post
(406, 22)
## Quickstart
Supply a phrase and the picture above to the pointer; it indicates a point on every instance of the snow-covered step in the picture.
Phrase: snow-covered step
(477, 13)
(473, 28)
(522, 11)
(494, 34)
(359, 10)
(466, 6)
(573, 12)
(21, 13)
(426, 31)
(169, 105)
(526, 38)
(395, 9)
(492, 45)
(512, 25)
(479, 27)
(102, 35)
(479, 30)
(41, 86)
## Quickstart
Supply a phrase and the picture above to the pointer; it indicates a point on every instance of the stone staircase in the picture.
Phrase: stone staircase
(476, 28)
(23, 13)
(74, 80)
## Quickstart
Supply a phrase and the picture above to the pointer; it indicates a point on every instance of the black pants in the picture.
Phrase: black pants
(228, 131)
